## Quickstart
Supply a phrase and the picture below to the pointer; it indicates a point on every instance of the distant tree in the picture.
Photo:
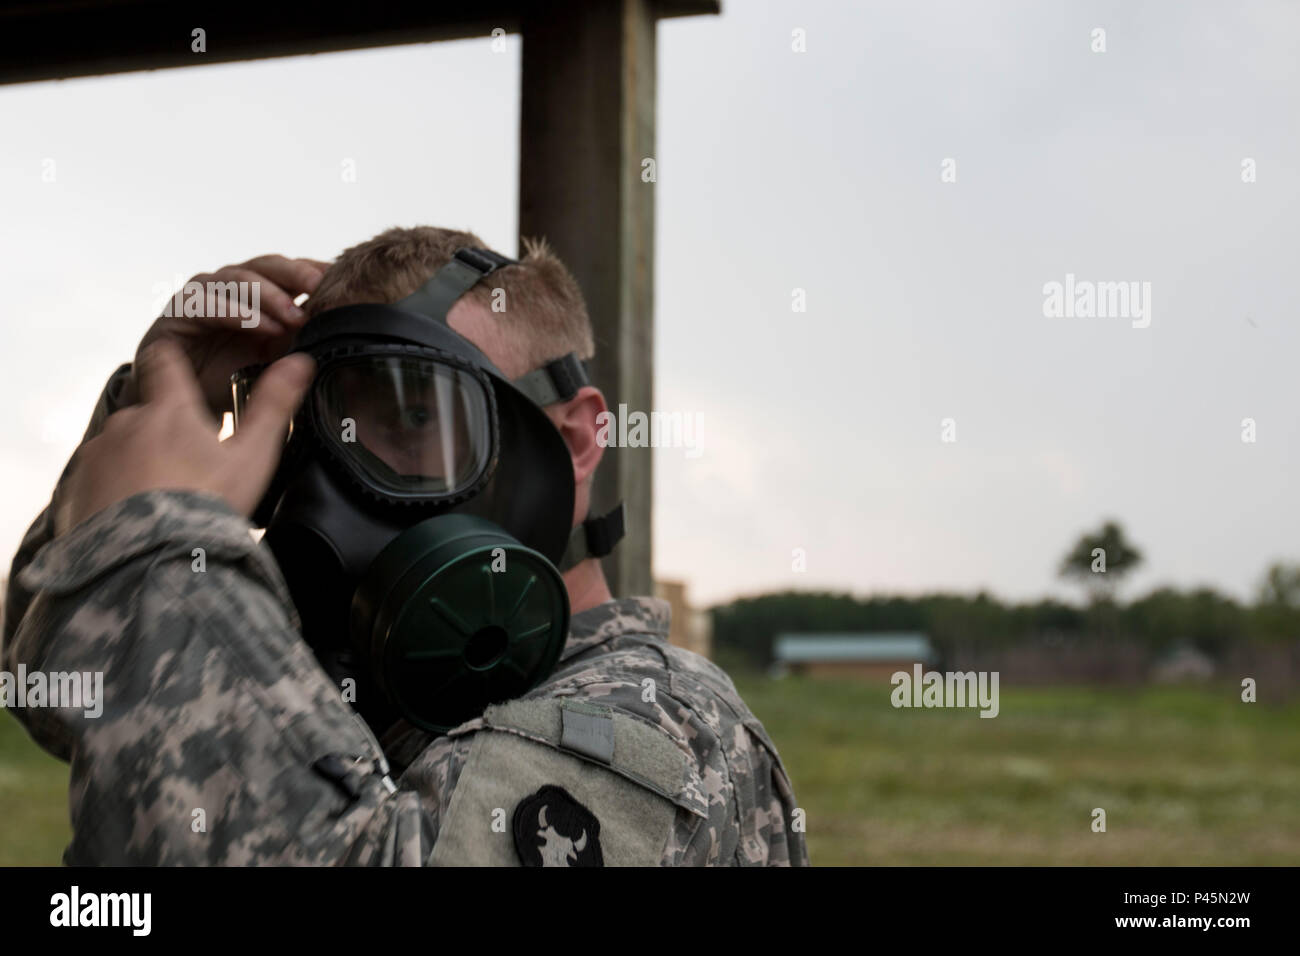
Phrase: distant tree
(1100, 560)
(1276, 614)
(1281, 586)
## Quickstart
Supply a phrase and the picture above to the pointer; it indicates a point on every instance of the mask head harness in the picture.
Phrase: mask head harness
(422, 511)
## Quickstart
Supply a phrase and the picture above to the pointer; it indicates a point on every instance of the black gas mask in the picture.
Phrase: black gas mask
(423, 509)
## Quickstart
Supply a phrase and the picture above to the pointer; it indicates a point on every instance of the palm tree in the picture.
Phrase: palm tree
(1281, 586)
(1100, 560)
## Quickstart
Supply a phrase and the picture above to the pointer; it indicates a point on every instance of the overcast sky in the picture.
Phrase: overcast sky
(779, 170)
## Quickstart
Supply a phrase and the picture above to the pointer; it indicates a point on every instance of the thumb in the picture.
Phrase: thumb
(280, 390)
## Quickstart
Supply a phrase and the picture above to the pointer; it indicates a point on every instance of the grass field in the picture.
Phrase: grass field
(1186, 776)
(33, 800)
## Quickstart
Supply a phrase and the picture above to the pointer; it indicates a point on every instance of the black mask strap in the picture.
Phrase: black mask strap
(594, 538)
(556, 381)
(466, 269)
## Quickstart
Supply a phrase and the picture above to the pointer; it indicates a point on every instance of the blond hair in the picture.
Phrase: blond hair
(544, 312)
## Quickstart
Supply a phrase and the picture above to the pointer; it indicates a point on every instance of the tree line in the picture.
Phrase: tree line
(744, 630)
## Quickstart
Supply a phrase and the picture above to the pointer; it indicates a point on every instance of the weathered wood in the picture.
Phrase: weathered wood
(53, 39)
(587, 123)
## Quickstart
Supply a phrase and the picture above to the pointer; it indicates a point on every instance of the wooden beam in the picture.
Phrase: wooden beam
(91, 37)
(587, 123)
(57, 39)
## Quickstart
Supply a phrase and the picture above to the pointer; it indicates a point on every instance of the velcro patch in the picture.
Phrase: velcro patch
(626, 745)
(590, 734)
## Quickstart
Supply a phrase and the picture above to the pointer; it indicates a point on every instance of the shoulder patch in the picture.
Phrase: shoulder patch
(535, 784)
(553, 829)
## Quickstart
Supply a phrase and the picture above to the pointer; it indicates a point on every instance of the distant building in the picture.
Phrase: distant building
(1183, 664)
(863, 656)
(691, 627)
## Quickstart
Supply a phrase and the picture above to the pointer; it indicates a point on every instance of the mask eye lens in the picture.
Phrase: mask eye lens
(411, 425)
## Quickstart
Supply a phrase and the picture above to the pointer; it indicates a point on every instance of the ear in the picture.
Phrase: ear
(579, 424)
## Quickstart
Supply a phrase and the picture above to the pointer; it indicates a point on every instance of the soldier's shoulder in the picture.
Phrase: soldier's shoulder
(636, 671)
(646, 665)
(646, 748)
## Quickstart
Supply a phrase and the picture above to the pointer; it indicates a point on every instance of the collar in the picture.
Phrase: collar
(632, 615)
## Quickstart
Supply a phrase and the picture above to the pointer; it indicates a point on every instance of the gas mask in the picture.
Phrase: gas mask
(422, 510)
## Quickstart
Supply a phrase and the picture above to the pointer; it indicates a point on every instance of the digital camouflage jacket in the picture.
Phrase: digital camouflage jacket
(222, 741)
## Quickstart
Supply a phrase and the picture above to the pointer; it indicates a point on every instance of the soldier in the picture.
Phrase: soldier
(429, 578)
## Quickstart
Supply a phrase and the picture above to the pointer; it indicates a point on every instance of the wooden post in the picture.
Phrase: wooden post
(588, 123)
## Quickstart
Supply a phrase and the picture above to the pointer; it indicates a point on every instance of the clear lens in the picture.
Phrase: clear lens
(412, 425)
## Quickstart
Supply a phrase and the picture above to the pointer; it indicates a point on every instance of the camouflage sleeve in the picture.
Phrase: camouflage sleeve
(42, 530)
(217, 738)
(771, 833)
(750, 799)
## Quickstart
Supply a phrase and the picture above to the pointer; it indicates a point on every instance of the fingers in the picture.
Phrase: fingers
(275, 302)
(229, 298)
(260, 439)
(166, 378)
(266, 286)
(280, 390)
(291, 276)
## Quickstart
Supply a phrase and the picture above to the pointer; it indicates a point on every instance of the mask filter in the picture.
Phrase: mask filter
(455, 612)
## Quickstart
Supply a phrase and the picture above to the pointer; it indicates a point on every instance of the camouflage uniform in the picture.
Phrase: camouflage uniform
(213, 703)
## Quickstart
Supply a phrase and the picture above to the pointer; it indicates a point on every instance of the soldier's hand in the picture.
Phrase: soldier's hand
(169, 440)
(219, 342)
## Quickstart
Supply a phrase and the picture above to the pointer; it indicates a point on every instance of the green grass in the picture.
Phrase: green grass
(33, 800)
(1186, 776)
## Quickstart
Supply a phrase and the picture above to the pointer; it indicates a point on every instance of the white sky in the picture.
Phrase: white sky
(777, 170)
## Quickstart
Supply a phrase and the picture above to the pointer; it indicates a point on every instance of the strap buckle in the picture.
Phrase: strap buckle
(556, 381)
(483, 260)
(594, 538)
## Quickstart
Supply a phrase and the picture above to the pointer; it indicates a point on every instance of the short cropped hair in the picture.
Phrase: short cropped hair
(543, 312)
